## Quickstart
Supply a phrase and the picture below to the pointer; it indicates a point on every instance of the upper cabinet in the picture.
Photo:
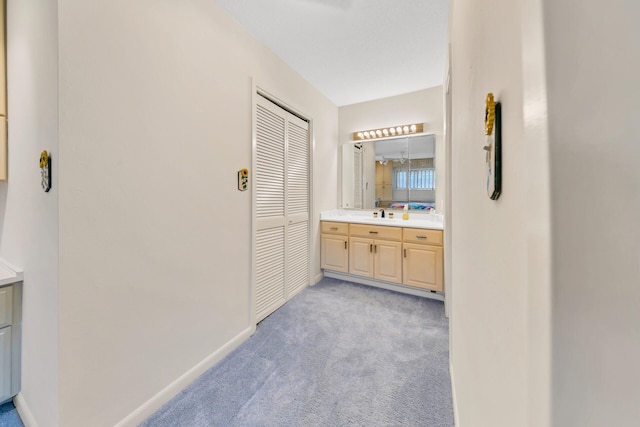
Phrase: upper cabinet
(3, 93)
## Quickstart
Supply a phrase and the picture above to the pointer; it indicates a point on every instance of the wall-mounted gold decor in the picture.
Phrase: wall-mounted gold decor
(493, 147)
(45, 171)
(243, 179)
(388, 132)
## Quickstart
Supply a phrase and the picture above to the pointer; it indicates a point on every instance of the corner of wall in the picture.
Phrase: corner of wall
(24, 411)
(538, 190)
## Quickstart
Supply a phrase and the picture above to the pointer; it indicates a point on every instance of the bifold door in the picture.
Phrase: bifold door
(281, 206)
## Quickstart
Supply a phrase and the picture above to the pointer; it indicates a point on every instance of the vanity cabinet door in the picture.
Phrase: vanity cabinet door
(361, 256)
(5, 363)
(388, 260)
(423, 266)
(335, 253)
(379, 259)
(6, 306)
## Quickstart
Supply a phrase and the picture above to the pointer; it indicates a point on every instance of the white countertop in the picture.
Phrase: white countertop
(9, 274)
(416, 220)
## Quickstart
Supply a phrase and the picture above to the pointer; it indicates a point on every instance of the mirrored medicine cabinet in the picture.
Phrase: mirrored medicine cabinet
(389, 173)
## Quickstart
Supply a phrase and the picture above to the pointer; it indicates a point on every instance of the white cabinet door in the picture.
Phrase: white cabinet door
(5, 363)
(6, 306)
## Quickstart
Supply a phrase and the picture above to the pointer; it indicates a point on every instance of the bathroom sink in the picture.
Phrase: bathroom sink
(416, 220)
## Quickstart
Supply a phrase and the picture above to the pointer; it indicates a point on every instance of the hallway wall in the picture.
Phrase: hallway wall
(28, 215)
(545, 314)
(594, 105)
(155, 238)
(488, 317)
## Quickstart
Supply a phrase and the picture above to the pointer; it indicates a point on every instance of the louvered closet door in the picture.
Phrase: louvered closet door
(297, 205)
(281, 207)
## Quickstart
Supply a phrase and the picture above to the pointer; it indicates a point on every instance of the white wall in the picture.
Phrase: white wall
(594, 105)
(29, 229)
(155, 244)
(424, 106)
(489, 327)
(545, 321)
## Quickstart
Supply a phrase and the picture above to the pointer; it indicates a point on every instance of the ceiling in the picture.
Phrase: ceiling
(352, 50)
(416, 147)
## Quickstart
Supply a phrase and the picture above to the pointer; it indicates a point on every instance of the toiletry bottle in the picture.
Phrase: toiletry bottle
(405, 214)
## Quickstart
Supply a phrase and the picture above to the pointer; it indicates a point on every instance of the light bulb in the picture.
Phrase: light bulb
(360, 135)
(413, 128)
(366, 134)
(379, 133)
(406, 129)
(399, 130)
(385, 132)
(392, 131)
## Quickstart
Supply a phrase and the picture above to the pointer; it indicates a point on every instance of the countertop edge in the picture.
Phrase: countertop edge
(385, 222)
(9, 273)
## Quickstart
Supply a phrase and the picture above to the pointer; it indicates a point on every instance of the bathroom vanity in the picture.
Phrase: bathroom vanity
(397, 254)
(10, 330)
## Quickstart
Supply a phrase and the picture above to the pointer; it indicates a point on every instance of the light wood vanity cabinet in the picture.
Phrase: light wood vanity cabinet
(376, 252)
(334, 253)
(408, 256)
(423, 262)
(384, 181)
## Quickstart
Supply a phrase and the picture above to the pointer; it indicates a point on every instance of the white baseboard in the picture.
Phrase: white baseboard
(23, 410)
(453, 394)
(157, 401)
(318, 278)
(385, 285)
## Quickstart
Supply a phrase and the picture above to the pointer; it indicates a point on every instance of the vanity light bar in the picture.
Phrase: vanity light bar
(390, 131)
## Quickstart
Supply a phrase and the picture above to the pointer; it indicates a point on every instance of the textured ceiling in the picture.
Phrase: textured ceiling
(352, 50)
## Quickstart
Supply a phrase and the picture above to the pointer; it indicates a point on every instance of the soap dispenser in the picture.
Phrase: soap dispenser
(405, 214)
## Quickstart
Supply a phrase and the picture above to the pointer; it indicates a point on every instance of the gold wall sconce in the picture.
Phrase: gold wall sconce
(388, 132)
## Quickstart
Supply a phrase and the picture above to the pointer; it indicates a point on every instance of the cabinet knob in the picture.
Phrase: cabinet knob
(345, 244)
(370, 247)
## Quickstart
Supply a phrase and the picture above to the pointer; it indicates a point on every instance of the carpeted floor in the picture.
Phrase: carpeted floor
(9, 416)
(337, 354)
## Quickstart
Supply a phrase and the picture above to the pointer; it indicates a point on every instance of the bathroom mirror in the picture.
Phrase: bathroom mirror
(389, 173)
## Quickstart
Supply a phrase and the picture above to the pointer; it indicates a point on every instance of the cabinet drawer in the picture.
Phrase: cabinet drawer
(6, 306)
(421, 235)
(335, 227)
(376, 231)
